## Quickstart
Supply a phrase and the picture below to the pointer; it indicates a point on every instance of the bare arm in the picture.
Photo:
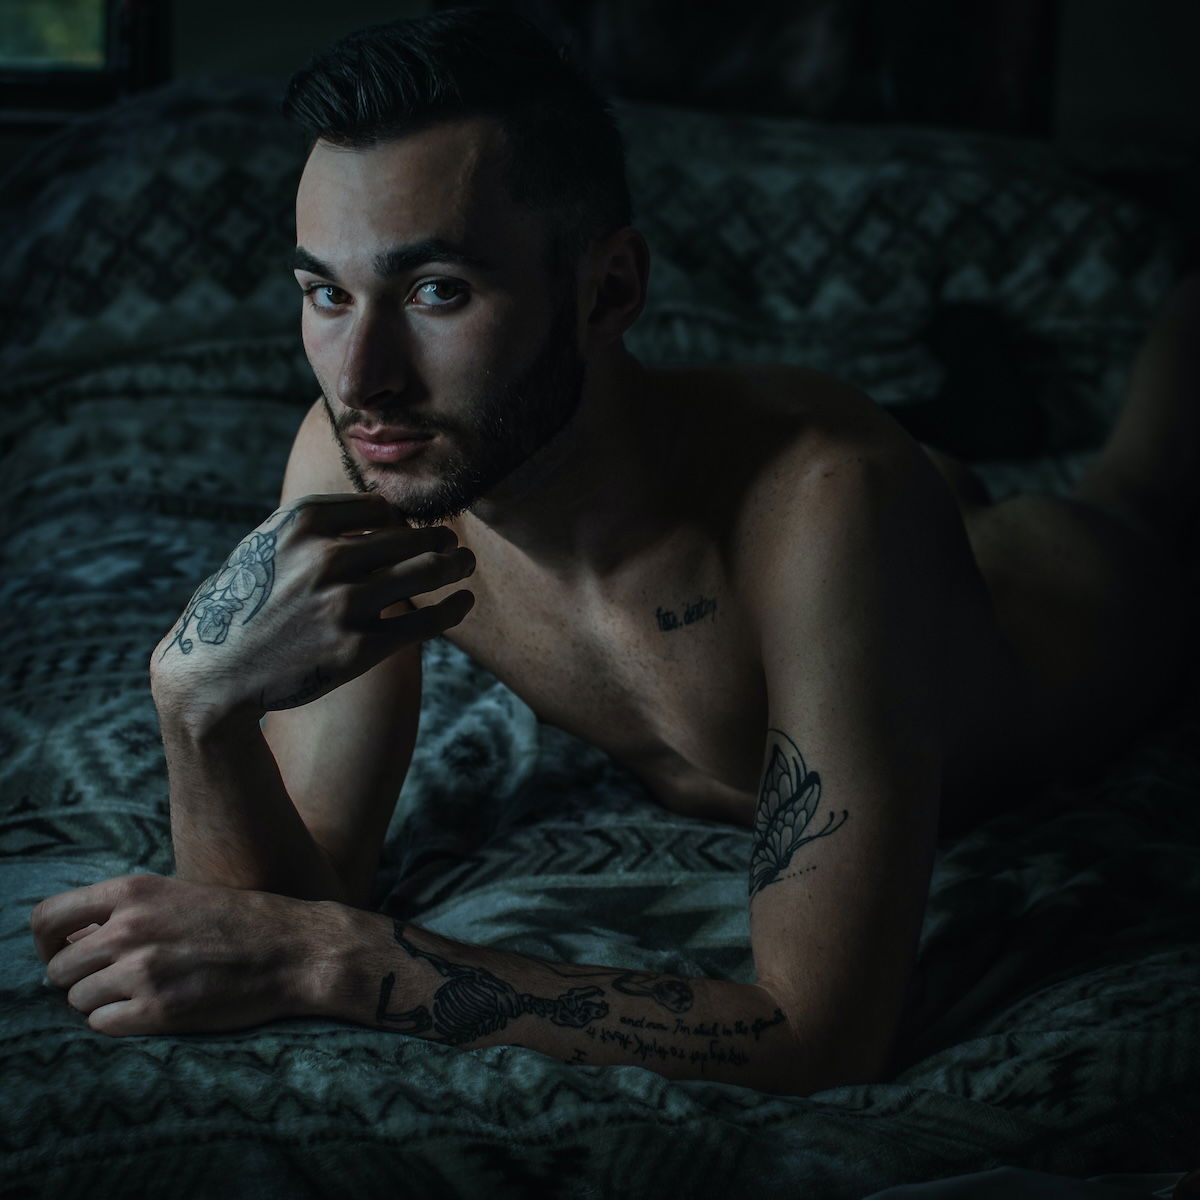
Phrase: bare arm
(392, 975)
(143, 954)
(852, 593)
(306, 620)
(343, 758)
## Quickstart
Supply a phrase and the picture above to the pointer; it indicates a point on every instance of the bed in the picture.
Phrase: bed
(986, 288)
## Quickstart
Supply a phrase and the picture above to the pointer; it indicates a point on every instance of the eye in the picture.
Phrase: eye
(438, 293)
(325, 297)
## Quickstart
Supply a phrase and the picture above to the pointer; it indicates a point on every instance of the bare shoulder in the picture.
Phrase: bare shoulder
(314, 465)
(832, 472)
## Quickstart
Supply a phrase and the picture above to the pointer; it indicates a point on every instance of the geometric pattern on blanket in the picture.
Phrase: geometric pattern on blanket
(912, 263)
(1051, 1020)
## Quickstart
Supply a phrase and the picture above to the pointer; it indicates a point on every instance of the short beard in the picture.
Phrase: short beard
(511, 423)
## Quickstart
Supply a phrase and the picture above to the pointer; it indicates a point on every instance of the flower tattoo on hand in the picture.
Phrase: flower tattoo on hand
(248, 571)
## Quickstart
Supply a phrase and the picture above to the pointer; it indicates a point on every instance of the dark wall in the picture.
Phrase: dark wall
(1059, 69)
(1063, 69)
(268, 37)
(1128, 69)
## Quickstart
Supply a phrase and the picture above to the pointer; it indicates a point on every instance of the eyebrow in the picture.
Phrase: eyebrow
(399, 259)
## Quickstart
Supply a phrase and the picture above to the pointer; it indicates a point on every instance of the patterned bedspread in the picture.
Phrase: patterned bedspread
(152, 382)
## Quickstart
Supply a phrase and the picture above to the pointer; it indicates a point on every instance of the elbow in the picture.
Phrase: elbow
(824, 1056)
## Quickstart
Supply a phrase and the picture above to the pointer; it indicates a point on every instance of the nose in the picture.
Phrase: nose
(374, 370)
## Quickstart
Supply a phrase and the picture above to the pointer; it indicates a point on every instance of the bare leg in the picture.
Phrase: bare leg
(1091, 590)
(1149, 469)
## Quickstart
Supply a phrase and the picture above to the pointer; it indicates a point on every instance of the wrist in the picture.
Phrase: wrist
(195, 720)
(339, 979)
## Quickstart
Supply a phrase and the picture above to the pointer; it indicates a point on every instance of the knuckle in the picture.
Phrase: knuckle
(145, 964)
(338, 606)
(333, 559)
(130, 928)
(138, 887)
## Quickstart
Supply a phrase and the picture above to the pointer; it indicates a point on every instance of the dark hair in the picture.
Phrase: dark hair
(566, 158)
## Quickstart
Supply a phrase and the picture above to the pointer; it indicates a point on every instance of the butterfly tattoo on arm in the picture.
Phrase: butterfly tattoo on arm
(787, 802)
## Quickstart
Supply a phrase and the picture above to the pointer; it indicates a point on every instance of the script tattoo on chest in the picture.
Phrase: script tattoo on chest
(668, 618)
(787, 803)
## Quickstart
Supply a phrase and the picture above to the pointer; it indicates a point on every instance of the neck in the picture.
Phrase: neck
(586, 502)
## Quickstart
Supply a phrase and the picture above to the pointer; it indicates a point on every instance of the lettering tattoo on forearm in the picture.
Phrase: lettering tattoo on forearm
(474, 1002)
(787, 803)
(247, 575)
(714, 1033)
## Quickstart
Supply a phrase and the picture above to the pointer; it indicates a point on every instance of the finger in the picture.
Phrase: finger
(123, 1018)
(75, 962)
(67, 912)
(82, 933)
(390, 546)
(108, 985)
(415, 576)
(342, 512)
(425, 622)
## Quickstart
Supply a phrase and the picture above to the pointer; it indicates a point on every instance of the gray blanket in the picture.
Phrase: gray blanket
(152, 382)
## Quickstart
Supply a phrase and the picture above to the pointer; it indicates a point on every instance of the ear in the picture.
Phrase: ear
(613, 287)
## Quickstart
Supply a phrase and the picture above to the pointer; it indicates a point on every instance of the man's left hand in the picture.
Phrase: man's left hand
(148, 954)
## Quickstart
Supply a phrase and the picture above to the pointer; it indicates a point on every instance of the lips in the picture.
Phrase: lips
(382, 436)
(389, 445)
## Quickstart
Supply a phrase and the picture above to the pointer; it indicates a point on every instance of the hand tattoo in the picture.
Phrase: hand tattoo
(248, 572)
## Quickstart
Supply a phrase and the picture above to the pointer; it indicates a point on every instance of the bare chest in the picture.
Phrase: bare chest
(664, 675)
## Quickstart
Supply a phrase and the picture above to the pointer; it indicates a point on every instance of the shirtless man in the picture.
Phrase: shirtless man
(869, 651)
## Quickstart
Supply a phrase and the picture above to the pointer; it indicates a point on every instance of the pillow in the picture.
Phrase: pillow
(165, 219)
(979, 272)
(917, 263)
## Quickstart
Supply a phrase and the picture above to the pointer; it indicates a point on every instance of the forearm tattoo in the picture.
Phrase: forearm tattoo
(246, 578)
(474, 1002)
(787, 803)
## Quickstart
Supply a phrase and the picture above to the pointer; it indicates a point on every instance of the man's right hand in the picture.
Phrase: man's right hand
(295, 610)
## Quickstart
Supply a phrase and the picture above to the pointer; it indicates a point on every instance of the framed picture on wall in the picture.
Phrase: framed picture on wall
(62, 57)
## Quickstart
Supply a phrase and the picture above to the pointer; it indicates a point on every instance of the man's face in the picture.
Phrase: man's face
(428, 310)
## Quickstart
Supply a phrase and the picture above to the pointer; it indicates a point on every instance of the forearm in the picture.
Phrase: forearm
(232, 821)
(394, 975)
